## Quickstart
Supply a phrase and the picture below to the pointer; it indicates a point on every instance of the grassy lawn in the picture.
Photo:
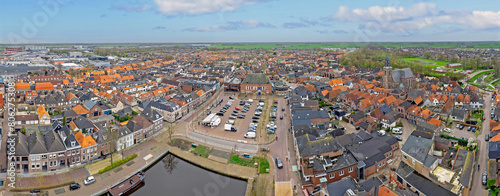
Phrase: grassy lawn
(201, 150)
(479, 74)
(496, 82)
(236, 159)
(263, 165)
(426, 62)
(490, 78)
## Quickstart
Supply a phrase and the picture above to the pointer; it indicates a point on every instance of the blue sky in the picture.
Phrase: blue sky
(111, 21)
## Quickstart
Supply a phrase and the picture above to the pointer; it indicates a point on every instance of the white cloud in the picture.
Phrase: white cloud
(232, 25)
(401, 20)
(195, 7)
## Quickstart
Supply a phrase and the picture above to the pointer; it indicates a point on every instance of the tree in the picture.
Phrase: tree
(426, 55)
(84, 130)
(170, 132)
(64, 120)
(113, 142)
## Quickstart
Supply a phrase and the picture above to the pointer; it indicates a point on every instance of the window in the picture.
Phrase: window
(350, 169)
(33, 158)
(332, 175)
(51, 164)
(50, 156)
(413, 161)
(404, 157)
(38, 165)
(341, 173)
(32, 166)
(37, 158)
(55, 163)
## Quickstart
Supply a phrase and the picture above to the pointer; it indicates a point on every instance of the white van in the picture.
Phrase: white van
(231, 122)
(250, 135)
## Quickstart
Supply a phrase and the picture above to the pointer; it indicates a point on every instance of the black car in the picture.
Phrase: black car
(282, 109)
(281, 117)
(255, 121)
(220, 114)
(74, 186)
(486, 137)
(235, 111)
(230, 97)
(35, 191)
(255, 117)
(208, 113)
(261, 100)
(241, 116)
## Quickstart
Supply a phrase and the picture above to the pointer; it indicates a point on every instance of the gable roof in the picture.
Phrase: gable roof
(41, 111)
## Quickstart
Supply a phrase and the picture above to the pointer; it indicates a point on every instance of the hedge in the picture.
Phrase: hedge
(118, 163)
(41, 187)
(461, 142)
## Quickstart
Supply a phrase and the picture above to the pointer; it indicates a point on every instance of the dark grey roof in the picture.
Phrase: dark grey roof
(340, 187)
(367, 185)
(494, 150)
(53, 142)
(82, 122)
(405, 105)
(458, 113)
(399, 74)
(69, 113)
(418, 148)
(151, 114)
(420, 183)
(424, 126)
(358, 115)
(308, 145)
(309, 114)
(300, 130)
(256, 78)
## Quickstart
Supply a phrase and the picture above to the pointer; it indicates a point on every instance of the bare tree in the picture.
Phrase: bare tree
(170, 132)
(112, 142)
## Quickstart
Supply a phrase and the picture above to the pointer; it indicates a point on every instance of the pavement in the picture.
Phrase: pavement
(477, 187)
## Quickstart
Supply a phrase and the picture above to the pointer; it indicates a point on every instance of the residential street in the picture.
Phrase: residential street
(477, 187)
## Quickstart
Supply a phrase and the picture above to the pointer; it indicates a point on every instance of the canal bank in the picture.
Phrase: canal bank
(229, 170)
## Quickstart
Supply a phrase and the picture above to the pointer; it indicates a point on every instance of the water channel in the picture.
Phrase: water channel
(174, 176)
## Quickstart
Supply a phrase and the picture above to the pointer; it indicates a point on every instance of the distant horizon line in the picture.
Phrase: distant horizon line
(238, 42)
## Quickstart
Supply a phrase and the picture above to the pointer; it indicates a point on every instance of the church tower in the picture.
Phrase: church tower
(387, 72)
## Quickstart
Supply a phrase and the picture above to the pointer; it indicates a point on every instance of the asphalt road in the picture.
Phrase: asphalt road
(477, 187)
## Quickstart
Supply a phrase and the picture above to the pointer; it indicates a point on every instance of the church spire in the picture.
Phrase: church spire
(387, 61)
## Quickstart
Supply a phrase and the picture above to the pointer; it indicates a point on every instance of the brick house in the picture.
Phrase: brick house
(256, 83)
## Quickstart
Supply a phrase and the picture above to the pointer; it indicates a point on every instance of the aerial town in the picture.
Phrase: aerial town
(298, 119)
(249, 98)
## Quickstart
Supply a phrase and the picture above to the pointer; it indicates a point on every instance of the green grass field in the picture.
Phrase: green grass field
(426, 62)
(471, 80)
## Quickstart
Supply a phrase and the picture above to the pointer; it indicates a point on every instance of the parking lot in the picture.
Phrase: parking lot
(461, 133)
(241, 124)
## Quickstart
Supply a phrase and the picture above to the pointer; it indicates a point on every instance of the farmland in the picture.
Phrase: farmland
(426, 62)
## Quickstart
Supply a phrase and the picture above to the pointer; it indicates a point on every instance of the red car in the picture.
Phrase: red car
(238, 108)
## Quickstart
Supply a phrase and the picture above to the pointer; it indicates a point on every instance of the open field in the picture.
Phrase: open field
(426, 62)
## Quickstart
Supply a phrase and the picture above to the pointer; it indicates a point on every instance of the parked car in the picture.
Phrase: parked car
(220, 114)
(237, 108)
(242, 102)
(275, 101)
(208, 113)
(447, 130)
(89, 180)
(458, 125)
(461, 127)
(262, 101)
(397, 130)
(241, 116)
(255, 117)
(485, 178)
(232, 117)
(264, 148)
(398, 138)
(281, 117)
(286, 97)
(486, 137)
(279, 164)
(469, 128)
(74, 186)
(473, 129)
(230, 97)
(35, 191)
(283, 109)
(255, 121)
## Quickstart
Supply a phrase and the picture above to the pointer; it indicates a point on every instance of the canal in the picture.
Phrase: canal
(174, 176)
